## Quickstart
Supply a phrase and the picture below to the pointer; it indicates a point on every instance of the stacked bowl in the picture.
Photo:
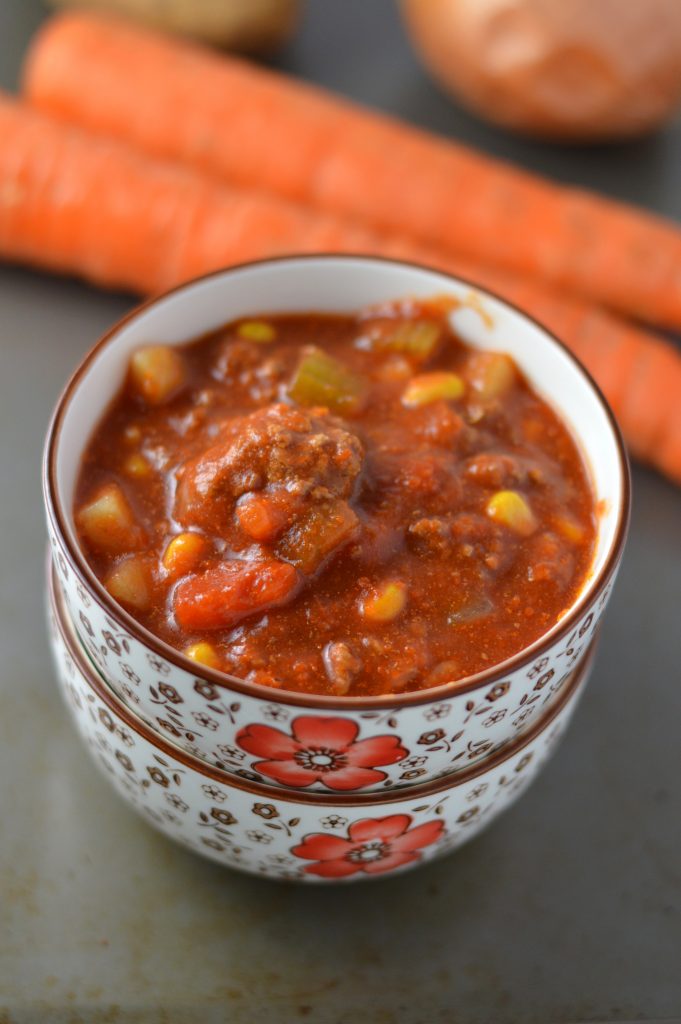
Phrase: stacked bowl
(293, 785)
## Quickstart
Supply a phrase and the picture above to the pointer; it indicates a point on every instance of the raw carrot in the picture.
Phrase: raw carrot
(78, 204)
(247, 125)
(93, 207)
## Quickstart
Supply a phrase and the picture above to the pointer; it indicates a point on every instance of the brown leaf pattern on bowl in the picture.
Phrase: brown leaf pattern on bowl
(206, 719)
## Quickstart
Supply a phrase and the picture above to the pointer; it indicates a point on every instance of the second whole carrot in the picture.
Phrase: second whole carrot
(82, 205)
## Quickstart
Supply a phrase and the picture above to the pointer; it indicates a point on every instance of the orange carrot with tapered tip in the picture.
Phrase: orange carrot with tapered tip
(244, 124)
(79, 204)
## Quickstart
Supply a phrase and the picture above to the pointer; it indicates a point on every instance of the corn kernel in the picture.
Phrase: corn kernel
(107, 522)
(156, 372)
(256, 330)
(204, 653)
(432, 387)
(136, 465)
(510, 509)
(130, 583)
(386, 602)
(184, 552)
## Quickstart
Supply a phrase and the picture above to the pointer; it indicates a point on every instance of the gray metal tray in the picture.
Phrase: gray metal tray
(568, 909)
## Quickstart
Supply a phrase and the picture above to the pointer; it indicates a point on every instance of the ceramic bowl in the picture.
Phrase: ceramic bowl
(305, 837)
(397, 740)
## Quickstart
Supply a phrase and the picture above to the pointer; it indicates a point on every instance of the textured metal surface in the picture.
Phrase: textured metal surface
(567, 910)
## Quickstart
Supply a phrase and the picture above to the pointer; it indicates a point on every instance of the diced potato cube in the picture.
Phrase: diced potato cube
(204, 653)
(256, 330)
(107, 522)
(136, 465)
(431, 387)
(512, 510)
(491, 374)
(130, 583)
(156, 372)
(386, 602)
(322, 380)
(184, 553)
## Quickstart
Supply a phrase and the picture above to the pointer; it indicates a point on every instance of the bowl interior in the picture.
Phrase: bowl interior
(343, 284)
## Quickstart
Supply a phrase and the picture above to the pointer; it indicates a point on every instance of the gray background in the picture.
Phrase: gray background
(568, 909)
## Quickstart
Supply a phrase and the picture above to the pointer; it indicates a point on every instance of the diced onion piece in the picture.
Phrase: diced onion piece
(570, 529)
(432, 387)
(444, 672)
(492, 374)
(136, 465)
(184, 552)
(385, 603)
(416, 338)
(512, 510)
(469, 610)
(258, 331)
(132, 433)
(156, 372)
(342, 666)
(130, 583)
(204, 653)
(107, 522)
(322, 380)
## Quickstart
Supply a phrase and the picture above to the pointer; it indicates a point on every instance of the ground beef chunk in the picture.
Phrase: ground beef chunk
(494, 471)
(431, 536)
(311, 453)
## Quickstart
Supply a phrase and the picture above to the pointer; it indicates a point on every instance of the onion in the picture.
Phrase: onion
(565, 69)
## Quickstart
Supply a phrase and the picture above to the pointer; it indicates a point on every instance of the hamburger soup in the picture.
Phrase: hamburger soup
(337, 504)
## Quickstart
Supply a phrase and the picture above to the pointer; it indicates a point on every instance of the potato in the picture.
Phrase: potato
(107, 522)
(129, 582)
(248, 26)
(156, 372)
(565, 69)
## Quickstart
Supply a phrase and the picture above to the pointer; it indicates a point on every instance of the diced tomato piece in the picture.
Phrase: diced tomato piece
(228, 592)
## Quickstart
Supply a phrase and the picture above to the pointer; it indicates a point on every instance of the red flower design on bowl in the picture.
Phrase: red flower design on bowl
(374, 845)
(322, 750)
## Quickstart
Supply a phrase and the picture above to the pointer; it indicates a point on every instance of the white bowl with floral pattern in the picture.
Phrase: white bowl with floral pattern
(305, 836)
(302, 741)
